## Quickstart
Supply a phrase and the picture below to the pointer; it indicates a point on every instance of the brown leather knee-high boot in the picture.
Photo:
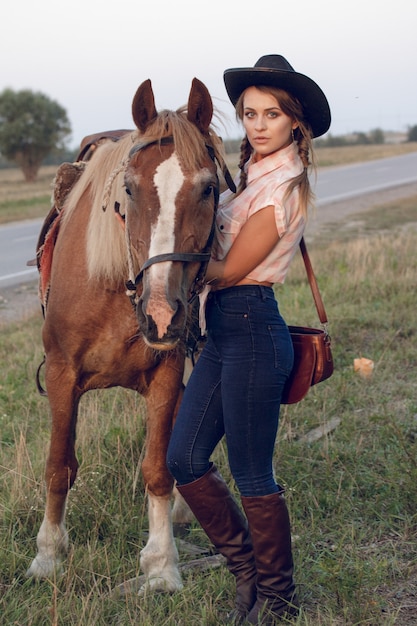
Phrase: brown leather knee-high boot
(269, 526)
(225, 525)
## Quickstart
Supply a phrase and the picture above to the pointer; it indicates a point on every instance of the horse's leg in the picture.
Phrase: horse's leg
(61, 470)
(181, 512)
(159, 558)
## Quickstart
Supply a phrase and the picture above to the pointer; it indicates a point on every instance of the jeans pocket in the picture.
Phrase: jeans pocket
(233, 307)
(283, 348)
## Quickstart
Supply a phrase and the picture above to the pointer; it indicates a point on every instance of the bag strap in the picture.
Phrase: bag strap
(313, 283)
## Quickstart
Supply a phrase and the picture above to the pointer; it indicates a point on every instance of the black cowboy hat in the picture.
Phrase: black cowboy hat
(275, 71)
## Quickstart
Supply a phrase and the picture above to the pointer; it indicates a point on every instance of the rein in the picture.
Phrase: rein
(184, 257)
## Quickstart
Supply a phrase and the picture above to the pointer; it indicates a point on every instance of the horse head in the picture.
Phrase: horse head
(172, 186)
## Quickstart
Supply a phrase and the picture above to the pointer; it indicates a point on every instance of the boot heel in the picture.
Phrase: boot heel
(269, 526)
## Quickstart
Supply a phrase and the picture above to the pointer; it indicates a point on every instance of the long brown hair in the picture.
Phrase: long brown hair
(302, 136)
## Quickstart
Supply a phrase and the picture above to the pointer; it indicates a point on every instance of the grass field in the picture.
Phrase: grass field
(352, 493)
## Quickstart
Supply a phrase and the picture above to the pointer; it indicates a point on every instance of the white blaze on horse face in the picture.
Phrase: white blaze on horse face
(168, 180)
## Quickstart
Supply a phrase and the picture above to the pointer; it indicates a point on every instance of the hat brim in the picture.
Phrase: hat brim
(314, 102)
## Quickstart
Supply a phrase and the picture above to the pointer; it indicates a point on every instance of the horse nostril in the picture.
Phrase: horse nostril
(179, 317)
(175, 305)
(140, 314)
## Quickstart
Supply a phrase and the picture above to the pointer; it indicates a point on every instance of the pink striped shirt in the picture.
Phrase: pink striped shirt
(267, 183)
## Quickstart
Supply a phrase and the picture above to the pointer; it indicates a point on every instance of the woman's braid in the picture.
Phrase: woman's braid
(245, 152)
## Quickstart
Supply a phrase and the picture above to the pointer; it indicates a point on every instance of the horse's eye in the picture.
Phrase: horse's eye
(208, 191)
(129, 193)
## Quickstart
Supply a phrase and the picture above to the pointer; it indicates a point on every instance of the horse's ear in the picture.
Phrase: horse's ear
(200, 106)
(143, 106)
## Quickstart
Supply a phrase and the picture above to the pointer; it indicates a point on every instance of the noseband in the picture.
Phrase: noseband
(183, 257)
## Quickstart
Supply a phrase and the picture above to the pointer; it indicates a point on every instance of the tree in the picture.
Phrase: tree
(31, 127)
(362, 139)
(412, 133)
(377, 136)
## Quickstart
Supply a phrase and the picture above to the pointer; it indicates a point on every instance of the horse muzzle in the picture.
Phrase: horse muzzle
(161, 321)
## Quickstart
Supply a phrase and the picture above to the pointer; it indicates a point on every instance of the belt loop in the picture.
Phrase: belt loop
(262, 290)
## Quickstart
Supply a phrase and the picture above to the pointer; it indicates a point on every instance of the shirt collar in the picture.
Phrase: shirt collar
(273, 162)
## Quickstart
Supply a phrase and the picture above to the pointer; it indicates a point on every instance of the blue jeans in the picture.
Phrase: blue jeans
(235, 390)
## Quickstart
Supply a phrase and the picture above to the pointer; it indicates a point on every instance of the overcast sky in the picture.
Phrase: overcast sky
(91, 55)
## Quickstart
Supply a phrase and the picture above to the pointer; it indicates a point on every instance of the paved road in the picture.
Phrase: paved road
(18, 240)
(18, 245)
(341, 183)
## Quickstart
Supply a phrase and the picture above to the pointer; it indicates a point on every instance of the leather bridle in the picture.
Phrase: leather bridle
(183, 257)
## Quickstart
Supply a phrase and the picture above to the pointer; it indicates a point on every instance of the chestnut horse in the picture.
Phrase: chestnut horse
(140, 214)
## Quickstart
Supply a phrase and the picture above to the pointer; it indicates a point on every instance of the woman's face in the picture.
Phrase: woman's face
(267, 127)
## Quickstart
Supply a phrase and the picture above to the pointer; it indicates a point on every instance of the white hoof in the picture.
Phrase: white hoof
(52, 542)
(45, 568)
(158, 584)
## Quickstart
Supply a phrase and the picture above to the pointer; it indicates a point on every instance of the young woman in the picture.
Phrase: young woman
(235, 389)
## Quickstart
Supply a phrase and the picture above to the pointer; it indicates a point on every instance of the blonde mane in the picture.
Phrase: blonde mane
(103, 183)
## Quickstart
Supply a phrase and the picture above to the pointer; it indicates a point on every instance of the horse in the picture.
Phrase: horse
(130, 247)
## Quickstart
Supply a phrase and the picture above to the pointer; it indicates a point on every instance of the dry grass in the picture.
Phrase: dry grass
(21, 200)
(14, 187)
(352, 494)
(355, 154)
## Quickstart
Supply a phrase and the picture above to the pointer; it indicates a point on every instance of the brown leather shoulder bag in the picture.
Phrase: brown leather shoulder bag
(313, 359)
